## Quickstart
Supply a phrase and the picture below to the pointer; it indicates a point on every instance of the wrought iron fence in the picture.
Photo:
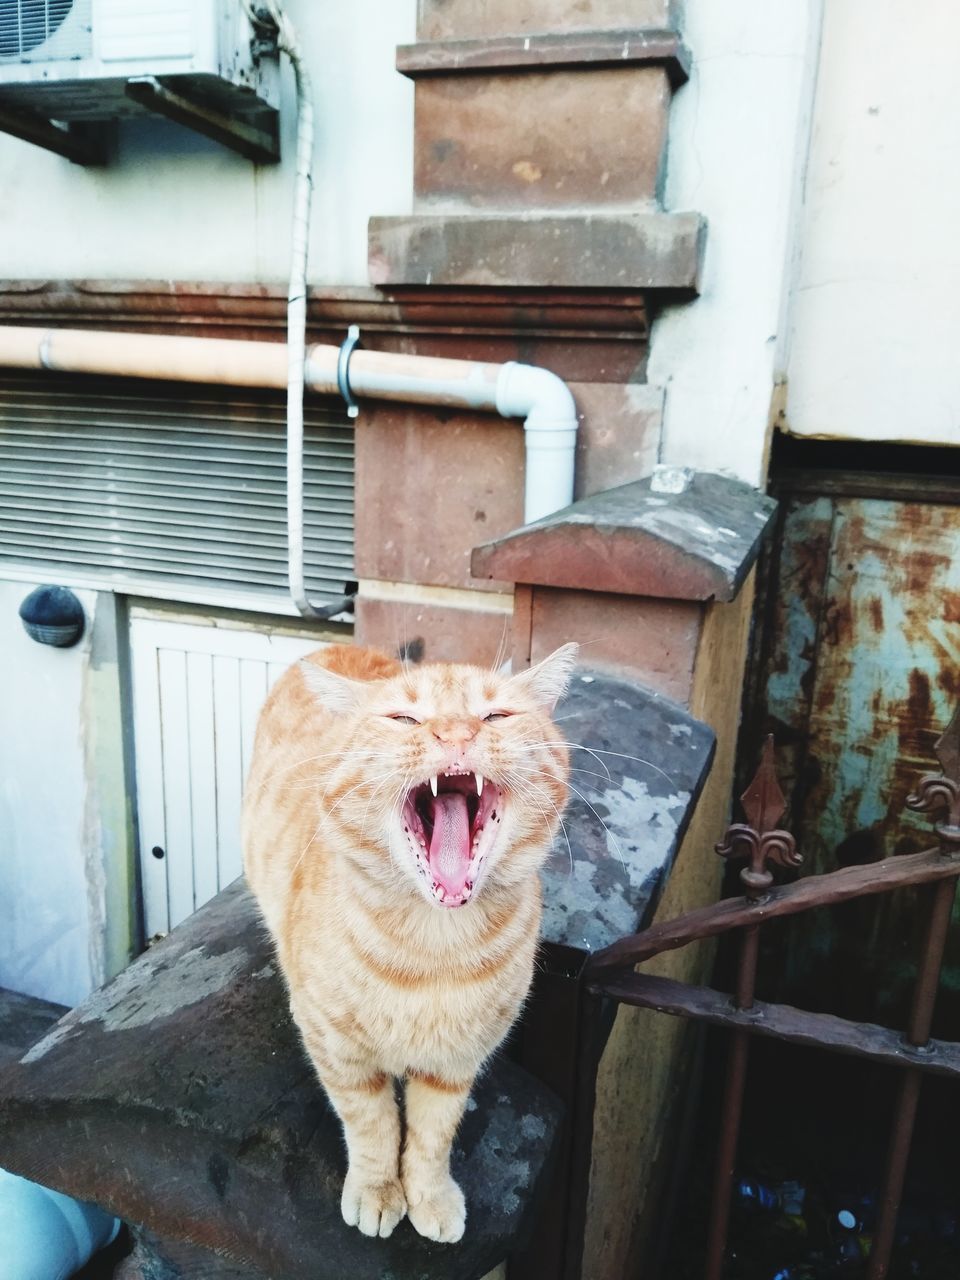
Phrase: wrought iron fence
(611, 972)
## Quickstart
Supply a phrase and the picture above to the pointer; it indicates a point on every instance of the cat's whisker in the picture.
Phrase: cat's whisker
(623, 755)
(358, 753)
(325, 813)
(590, 773)
(562, 742)
(527, 793)
(378, 777)
(616, 842)
(583, 798)
(502, 646)
(394, 808)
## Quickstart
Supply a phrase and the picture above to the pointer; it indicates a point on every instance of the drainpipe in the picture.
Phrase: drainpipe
(513, 390)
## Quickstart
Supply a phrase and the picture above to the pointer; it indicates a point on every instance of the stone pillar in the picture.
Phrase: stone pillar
(657, 586)
(540, 136)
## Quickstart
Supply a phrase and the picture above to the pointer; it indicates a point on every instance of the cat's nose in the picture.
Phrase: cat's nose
(455, 733)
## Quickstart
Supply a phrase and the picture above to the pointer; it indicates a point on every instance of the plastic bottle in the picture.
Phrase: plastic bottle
(852, 1240)
(757, 1196)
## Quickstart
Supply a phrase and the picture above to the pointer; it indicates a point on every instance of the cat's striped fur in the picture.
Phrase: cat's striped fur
(407, 953)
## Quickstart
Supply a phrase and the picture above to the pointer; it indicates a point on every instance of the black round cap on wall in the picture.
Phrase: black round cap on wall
(53, 615)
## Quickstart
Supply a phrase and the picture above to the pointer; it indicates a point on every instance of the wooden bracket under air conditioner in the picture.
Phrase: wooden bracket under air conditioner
(84, 143)
(257, 142)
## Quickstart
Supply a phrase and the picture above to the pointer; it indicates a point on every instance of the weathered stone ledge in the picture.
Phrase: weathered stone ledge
(695, 545)
(581, 49)
(639, 761)
(261, 310)
(649, 250)
(180, 1098)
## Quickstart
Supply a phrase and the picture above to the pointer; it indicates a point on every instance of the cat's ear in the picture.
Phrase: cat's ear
(547, 682)
(334, 692)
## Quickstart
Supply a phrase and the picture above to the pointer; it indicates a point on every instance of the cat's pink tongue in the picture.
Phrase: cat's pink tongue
(450, 843)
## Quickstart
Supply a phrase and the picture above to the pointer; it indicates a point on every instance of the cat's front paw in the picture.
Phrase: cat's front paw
(437, 1211)
(374, 1208)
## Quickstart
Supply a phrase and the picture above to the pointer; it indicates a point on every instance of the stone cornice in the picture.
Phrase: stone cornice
(254, 310)
(598, 250)
(580, 49)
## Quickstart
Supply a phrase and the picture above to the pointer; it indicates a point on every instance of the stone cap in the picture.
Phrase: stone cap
(598, 250)
(650, 46)
(638, 764)
(179, 1097)
(698, 544)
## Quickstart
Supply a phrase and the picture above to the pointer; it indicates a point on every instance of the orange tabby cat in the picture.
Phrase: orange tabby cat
(394, 823)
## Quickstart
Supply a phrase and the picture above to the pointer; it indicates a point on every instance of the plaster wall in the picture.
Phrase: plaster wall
(175, 206)
(45, 936)
(877, 307)
(737, 143)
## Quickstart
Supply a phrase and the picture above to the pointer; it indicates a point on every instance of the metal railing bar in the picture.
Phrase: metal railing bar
(918, 1035)
(784, 1022)
(829, 889)
(732, 1107)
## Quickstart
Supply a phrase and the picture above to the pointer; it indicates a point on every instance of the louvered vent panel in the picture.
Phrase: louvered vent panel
(44, 30)
(178, 486)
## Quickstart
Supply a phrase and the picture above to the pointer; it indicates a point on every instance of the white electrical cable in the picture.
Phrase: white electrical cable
(288, 43)
(518, 390)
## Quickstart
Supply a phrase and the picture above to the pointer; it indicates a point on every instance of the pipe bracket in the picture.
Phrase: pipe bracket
(347, 348)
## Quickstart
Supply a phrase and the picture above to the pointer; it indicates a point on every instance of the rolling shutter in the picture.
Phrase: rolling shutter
(138, 486)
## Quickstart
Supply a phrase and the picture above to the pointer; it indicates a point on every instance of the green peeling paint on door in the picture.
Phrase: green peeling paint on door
(858, 673)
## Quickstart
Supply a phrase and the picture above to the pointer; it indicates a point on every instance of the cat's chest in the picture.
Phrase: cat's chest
(455, 1008)
(435, 1026)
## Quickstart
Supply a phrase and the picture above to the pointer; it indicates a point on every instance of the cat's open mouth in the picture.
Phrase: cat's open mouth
(449, 822)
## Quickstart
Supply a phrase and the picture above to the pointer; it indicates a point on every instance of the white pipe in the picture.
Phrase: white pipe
(513, 390)
(550, 430)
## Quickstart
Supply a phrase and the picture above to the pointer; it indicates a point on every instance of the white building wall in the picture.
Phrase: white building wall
(176, 206)
(172, 206)
(877, 310)
(44, 933)
(737, 146)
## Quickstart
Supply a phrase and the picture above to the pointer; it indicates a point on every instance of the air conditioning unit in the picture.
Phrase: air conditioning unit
(70, 64)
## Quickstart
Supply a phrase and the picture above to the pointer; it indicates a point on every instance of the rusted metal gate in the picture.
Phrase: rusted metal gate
(855, 670)
(611, 972)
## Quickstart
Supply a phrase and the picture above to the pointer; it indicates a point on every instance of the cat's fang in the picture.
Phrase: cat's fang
(479, 778)
(433, 784)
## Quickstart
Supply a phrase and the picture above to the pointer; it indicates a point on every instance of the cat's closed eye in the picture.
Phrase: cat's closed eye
(402, 719)
(497, 715)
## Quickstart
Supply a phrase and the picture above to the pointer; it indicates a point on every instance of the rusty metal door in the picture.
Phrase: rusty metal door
(856, 670)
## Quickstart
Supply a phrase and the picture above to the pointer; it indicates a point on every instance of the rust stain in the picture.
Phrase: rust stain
(811, 557)
(838, 622)
(951, 606)
(915, 722)
(920, 569)
(876, 613)
(826, 696)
